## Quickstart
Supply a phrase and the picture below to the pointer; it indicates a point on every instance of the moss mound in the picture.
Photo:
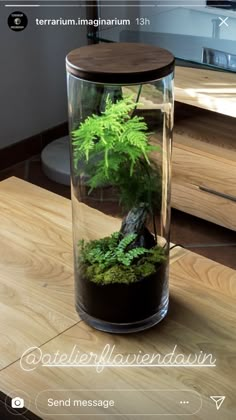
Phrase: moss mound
(109, 260)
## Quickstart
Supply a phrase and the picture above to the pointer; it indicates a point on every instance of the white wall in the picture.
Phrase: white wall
(32, 72)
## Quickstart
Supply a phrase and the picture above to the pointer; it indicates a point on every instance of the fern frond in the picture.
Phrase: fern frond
(110, 251)
(137, 252)
(116, 150)
(127, 240)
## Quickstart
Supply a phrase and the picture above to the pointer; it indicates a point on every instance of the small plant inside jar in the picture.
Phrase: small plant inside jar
(116, 150)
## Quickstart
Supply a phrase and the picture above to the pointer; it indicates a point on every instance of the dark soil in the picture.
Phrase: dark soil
(122, 303)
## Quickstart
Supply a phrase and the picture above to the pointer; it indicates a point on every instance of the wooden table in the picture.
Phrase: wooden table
(206, 89)
(37, 310)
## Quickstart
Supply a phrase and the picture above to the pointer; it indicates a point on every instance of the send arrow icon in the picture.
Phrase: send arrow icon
(218, 400)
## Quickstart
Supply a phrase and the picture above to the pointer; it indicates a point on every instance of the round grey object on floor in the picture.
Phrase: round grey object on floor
(55, 159)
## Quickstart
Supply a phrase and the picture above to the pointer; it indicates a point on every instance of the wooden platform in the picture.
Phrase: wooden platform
(37, 310)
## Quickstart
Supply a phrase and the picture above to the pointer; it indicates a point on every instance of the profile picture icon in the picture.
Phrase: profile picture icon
(17, 21)
(17, 402)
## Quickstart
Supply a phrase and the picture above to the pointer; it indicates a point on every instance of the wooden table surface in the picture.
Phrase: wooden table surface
(37, 310)
(206, 89)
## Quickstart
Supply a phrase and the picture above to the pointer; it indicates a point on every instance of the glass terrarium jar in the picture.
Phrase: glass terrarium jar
(120, 100)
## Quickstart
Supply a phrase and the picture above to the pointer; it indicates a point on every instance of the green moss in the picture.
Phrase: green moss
(115, 274)
(144, 270)
(92, 270)
(156, 256)
(110, 251)
(119, 274)
(97, 272)
(108, 261)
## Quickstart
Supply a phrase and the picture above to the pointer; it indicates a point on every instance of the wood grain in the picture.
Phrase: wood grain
(204, 156)
(201, 315)
(36, 274)
(204, 152)
(200, 169)
(36, 265)
(190, 199)
(120, 63)
(207, 89)
(210, 131)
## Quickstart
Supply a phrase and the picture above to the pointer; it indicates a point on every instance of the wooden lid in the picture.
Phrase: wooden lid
(120, 63)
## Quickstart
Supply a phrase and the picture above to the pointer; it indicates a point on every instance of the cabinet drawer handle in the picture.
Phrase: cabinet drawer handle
(219, 194)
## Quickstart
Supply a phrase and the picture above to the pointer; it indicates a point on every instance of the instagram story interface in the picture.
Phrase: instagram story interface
(118, 209)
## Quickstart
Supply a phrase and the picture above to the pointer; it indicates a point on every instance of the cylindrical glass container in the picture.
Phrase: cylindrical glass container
(120, 99)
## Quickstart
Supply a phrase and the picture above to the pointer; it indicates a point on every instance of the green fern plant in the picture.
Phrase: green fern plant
(127, 257)
(111, 133)
(108, 260)
(115, 146)
(111, 250)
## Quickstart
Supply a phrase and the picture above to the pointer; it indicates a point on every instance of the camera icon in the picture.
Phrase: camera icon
(17, 402)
